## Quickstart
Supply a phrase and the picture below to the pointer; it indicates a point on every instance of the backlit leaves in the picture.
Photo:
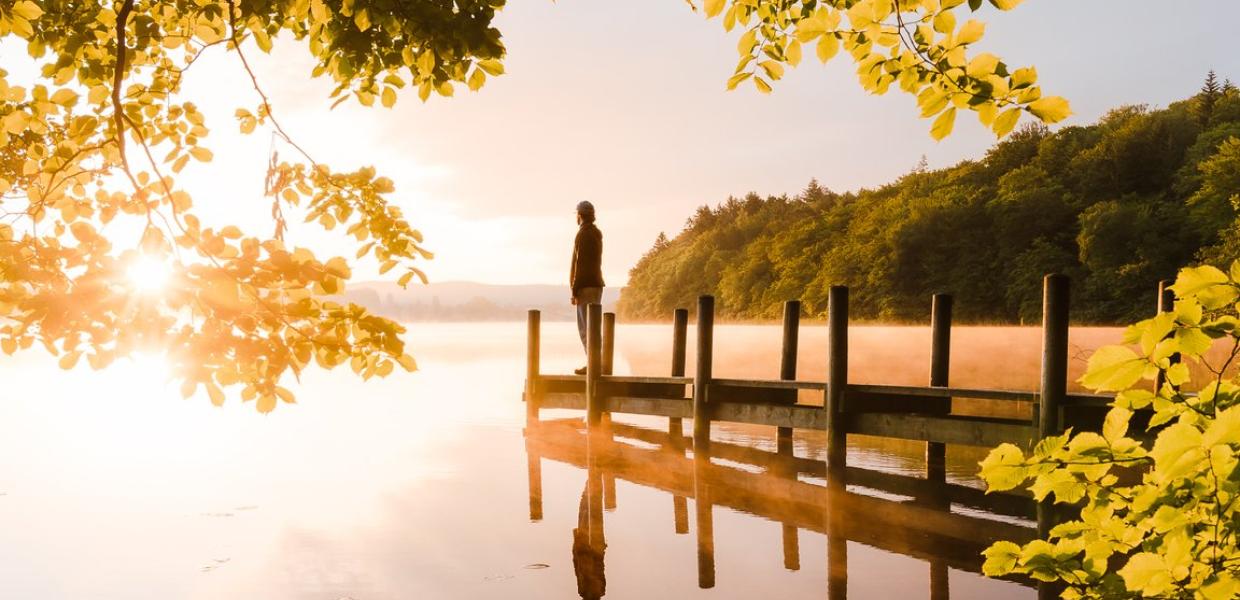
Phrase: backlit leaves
(1171, 527)
(238, 311)
(922, 48)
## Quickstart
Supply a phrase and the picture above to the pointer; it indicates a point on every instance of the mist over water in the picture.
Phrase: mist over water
(416, 486)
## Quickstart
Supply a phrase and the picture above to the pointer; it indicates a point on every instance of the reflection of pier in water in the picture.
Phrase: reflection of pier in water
(946, 525)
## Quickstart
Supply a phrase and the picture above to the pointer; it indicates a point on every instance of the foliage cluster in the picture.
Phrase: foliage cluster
(1117, 205)
(1154, 520)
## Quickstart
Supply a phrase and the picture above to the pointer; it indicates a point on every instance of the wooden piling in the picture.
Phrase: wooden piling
(594, 364)
(532, 351)
(837, 377)
(940, 361)
(609, 342)
(1054, 381)
(788, 365)
(680, 334)
(701, 382)
(1166, 303)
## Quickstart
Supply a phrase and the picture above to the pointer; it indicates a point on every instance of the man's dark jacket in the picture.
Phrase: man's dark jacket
(587, 269)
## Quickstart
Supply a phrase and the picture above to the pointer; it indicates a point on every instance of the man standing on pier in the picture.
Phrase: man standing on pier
(586, 273)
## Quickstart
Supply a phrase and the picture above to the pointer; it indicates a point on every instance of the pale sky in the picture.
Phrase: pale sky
(622, 102)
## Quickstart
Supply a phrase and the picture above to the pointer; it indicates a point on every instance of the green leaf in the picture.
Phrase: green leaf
(1113, 369)
(1001, 559)
(1003, 468)
(1146, 574)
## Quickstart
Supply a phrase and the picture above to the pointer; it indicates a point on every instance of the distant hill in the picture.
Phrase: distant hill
(1117, 205)
(468, 301)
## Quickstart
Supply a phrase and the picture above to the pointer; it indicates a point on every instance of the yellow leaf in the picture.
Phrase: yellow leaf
(773, 69)
(943, 124)
(1024, 77)
(793, 53)
(762, 85)
(714, 7)
(1051, 109)
(27, 10)
(65, 97)
(362, 19)
(1113, 369)
(215, 394)
(69, 360)
(266, 404)
(1006, 122)
(476, 79)
(828, 45)
(982, 65)
(492, 66)
(202, 154)
(945, 22)
(388, 97)
(971, 32)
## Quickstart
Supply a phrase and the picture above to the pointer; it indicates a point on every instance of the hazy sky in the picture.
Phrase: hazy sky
(622, 102)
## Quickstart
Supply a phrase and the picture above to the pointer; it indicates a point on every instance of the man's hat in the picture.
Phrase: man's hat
(584, 207)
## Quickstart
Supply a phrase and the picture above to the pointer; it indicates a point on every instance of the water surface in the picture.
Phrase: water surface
(418, 486)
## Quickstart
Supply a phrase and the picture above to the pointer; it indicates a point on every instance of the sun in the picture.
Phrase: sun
(148, 275)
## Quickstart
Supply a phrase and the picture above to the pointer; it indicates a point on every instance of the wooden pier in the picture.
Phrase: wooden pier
(919, 413)
(903, 412)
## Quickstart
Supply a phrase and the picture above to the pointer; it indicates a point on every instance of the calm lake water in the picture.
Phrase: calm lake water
(419, 486)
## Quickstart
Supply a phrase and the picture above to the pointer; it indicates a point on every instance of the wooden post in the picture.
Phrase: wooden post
(532, 341)
(609, 342)
(1054, 383)
(940, 361)
(788, 365)
(680, 331)
(837, 379)
(594, 364)
(1166, 303)
(837, 555)
(783, 435)
(701, 382)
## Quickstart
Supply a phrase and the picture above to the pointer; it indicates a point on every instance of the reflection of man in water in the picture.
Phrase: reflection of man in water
(588, 548)
(585, 276)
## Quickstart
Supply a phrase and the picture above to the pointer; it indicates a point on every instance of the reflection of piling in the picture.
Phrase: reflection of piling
(531, 365)
(594, 364)
(705, 521)
(837, 556)
(680, 514)
(837, 377)
(680, 331)
(701, 382)
(939, 586)
(940, 361)
(534, 466)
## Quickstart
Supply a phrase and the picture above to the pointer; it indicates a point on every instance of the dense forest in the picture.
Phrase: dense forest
(1117, 205)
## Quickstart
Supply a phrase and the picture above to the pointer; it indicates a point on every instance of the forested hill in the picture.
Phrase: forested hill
(1117, 205)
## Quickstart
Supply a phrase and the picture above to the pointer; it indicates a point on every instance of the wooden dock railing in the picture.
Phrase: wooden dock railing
(904, 412)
